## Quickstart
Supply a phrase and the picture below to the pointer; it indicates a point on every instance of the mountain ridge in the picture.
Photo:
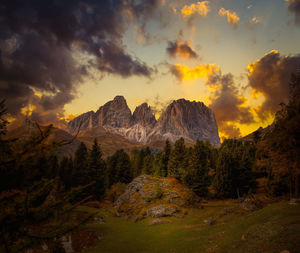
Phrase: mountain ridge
(182, 118)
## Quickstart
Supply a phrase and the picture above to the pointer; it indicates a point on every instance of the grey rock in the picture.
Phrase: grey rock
(161, 211)
(99, 220)
(156, 222)
(182, 118)
(251, 204)
(209, 221)
(157, 211)
(190, 120)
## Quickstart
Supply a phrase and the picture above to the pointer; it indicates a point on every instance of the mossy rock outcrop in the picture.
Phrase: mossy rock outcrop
(155, 197)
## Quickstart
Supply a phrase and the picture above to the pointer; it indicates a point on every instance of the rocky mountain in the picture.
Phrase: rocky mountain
(182, 118)
(190, 120)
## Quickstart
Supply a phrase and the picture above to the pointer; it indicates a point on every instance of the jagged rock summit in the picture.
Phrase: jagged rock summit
(182, 118)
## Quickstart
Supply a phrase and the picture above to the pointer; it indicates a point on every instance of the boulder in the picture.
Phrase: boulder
(157, 222)
(155, 197)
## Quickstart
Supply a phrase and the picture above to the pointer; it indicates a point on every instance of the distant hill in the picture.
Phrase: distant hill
(109, 142)
(258, 134)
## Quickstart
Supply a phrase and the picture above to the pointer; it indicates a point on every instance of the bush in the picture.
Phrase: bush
(115, 191)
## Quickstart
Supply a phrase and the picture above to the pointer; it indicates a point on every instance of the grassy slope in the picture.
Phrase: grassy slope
(272, 229)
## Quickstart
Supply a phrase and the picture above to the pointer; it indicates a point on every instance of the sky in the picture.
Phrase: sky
(59, 59)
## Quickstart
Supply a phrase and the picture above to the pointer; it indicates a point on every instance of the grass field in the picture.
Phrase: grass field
(272, 229)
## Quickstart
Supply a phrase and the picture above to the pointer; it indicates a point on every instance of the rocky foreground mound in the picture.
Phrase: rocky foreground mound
(148, 196)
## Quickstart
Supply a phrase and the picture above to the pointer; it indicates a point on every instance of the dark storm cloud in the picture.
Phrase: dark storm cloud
(270, 76)
(183, 49)
(294, 8)
(38, 40)
(227, 103)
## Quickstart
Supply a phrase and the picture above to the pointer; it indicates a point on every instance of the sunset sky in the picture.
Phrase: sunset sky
(62, 58)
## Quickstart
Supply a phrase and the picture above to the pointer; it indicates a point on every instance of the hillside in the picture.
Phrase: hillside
(220, 227)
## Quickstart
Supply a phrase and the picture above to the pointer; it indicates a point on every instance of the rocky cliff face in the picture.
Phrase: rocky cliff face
(144, 116)
(182, 118)
(114, 114)
(82, 122)
(190, 120)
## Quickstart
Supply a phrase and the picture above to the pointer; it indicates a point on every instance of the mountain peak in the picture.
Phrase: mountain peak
(188, 119)
(120, 99)
(182, 118)
(143, 114)
(115, 113)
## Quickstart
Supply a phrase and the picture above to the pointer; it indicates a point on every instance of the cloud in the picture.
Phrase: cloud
(158, 105)
(182, 49)
(201, 8)
(252, 22)
(229, 130)
(228, 104)
(255, 20)
(232, 17)
(185, 73)
(270, 77)
(294, 8)
(39, 42)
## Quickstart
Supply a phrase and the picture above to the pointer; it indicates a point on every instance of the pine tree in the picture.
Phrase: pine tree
(53, 167)
(80, 175)
(165, 159)
(134, 161)
(147, 162)
(65, 172)
(177, 163)
(119, 168)
(197, 174)
(234, 176)
(97, 170)
(158, 165)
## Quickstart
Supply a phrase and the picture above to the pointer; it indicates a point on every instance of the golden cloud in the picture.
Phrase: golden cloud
(232, 17)
(202, 8)
(27, 110)
(137, 100)
(182, 49)
(269, 78)
(255, 20)
(186, 73)
(253, 66)
(71, 116)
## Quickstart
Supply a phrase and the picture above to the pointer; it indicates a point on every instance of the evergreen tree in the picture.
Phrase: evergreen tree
(234, 166)
(177, 163)
(65, 171)
(80, 170)
(134, 161)
(197, 174)
(158, 165)
(97, 170)
(53, 167)
(147, 162)
(3, 121)
(119, 168)
(165, 159)
(281, 147)
(223, 181)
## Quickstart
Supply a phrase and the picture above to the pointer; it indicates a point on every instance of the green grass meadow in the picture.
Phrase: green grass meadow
(272, 229)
